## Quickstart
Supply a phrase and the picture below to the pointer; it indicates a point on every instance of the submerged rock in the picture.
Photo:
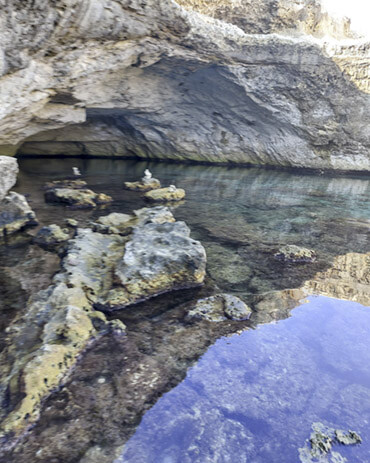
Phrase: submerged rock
(219, 308)
(8, 175)
(79, 198)
(170, 193)
(321, 443)
(295, 254)
(51, 237)
(15, 214)
(60, 321)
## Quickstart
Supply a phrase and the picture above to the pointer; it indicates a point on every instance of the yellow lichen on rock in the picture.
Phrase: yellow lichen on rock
(165, 194)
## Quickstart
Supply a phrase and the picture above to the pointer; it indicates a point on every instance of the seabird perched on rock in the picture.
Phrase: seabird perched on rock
(76, 171)
(147, 174)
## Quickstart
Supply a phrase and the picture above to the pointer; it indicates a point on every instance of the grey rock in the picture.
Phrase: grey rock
(219, 308)
(98, 270)
(51, 236)
(160, 257)
(143, 185)
(78, 198)
(169, 194)
(321, 443)
(8, 174)
(15, 214)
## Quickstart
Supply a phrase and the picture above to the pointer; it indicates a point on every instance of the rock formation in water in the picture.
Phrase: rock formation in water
(132, 258)
(225, 81)
(15, 212)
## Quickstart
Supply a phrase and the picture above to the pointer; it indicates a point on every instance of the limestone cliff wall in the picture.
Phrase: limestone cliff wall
(156, 80)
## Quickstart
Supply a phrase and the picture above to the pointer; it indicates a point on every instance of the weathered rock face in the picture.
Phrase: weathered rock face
(8, 175)
(15, 214)
(219, 308)
(155, 80)
(74, 193)
(98, 270)
(159, 257)
(170, 193)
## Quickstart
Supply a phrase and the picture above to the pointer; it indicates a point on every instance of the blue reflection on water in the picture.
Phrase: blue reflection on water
(253, 397)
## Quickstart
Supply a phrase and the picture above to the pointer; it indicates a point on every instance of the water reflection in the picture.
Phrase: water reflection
(241, 216)
(254, 397)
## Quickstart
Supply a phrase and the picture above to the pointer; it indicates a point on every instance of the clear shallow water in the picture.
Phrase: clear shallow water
(253, 397)
(275, 375)
(242, 216)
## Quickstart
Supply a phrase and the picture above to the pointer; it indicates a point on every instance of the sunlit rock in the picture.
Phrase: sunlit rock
(78, 198)
(157, 259)
(170, 193)
(147, 183)
(99, 270)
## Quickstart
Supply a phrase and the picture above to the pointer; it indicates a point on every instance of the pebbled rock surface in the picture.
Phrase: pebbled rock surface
(272, 83)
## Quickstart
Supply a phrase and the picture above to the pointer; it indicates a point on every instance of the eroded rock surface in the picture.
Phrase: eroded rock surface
(262, 84)
(168, 194)
(108, 270)
(51, 237)
(74, 193)
(143, 185)
(159, 257)
(219, 308)
(15, 214)
(8, 175)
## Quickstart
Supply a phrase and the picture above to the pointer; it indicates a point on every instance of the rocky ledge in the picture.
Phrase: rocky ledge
(15, 212)
(142, 255)
(268, 83)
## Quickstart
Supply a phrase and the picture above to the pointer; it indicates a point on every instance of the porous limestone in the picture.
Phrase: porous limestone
(267, 83)
(98, 270)
(170, 193)
(219, 308)
(79, 198)
(8, 175)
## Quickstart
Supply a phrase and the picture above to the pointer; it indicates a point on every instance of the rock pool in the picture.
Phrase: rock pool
(254, 387)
